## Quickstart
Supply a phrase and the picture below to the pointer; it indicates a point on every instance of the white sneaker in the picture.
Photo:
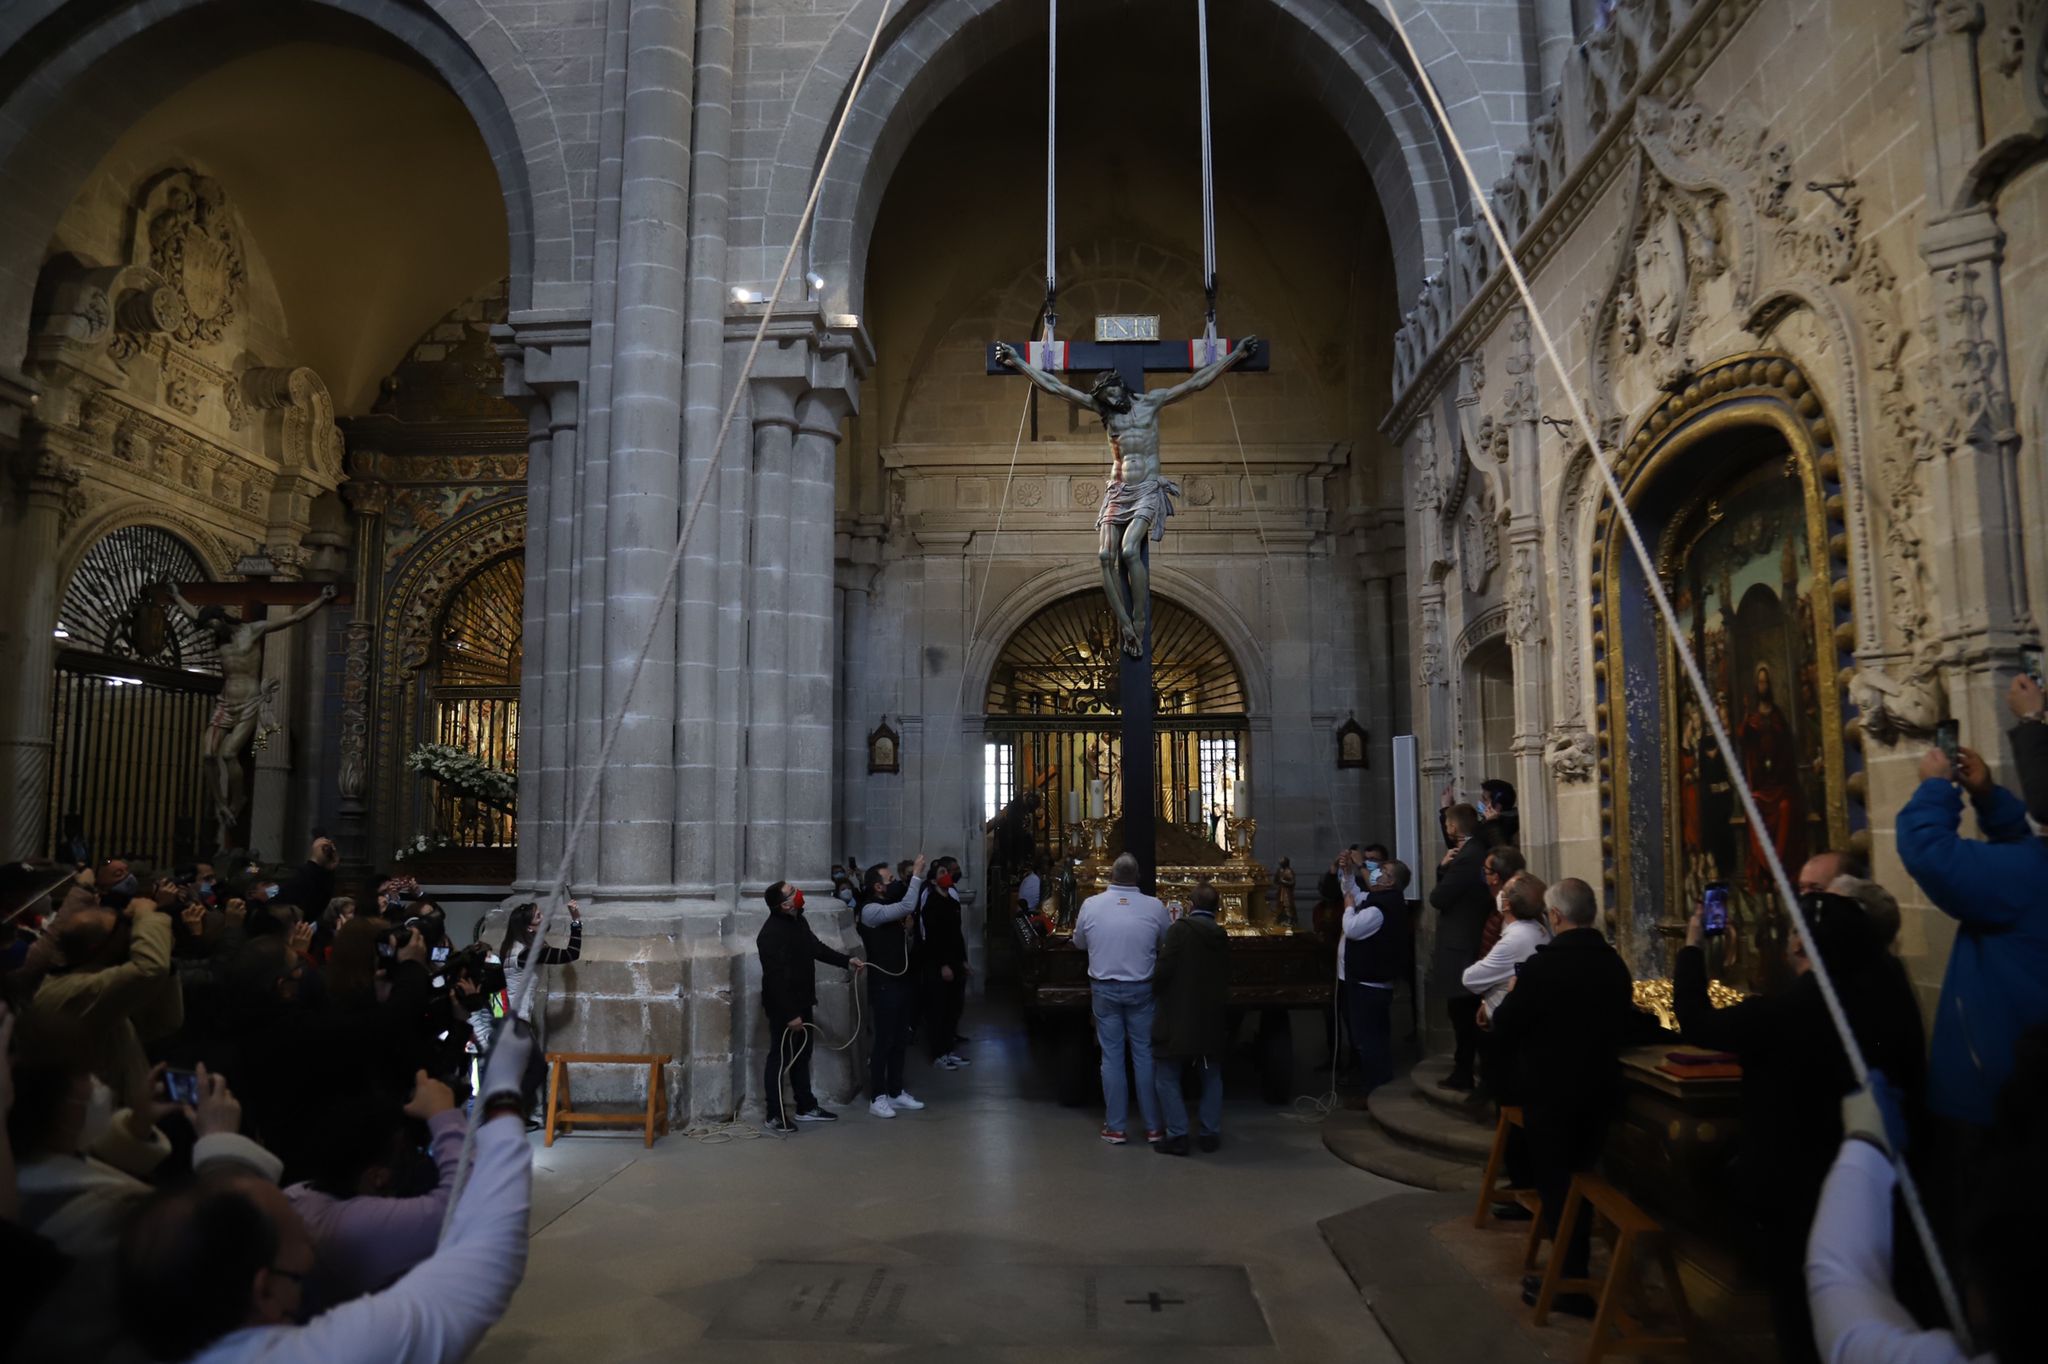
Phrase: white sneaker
(957, 1060)
(881, 1107)
(904, 1100)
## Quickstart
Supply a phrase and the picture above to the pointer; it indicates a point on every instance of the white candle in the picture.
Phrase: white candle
(1194, 805)
(1073, 807)
(1240, 799)
(1095, 798)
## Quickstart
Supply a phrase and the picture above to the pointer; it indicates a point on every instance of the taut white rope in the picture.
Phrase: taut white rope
(1780, 880)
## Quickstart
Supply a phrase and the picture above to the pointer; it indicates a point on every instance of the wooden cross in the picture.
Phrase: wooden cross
(1131, 346)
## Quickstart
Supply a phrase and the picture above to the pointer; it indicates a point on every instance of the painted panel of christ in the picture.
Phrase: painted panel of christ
(1741, 574)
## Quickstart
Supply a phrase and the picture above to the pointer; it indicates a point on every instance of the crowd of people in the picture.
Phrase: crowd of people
(1541, 1008)
(236, 1104)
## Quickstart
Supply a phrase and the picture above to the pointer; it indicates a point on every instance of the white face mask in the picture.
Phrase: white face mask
(99, 1115)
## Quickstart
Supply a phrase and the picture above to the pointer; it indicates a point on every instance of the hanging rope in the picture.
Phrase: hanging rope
(586, 803)
(1052, 105)
(988, 563)
(1208, 175)
(1654, 581)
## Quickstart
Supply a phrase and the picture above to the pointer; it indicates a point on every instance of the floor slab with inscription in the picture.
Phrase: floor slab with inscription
(1027, 1304)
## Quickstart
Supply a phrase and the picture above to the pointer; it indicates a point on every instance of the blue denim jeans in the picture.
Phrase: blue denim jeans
(1174, 1107)
(1123, 1012)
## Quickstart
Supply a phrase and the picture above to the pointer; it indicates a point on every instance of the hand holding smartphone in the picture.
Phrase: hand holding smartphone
(1948, 737)
(1714, 909)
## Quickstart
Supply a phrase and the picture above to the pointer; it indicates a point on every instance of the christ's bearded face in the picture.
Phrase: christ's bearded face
(1111, 395)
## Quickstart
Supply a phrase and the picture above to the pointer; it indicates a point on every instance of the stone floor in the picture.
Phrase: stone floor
(991, 1226)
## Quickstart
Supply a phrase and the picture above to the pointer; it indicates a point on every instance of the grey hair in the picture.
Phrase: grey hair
(1124, 871)
(1880, 904)
(1572, 900)
(1399, 871)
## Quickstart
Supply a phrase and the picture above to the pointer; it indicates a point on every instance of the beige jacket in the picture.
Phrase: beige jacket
(123, 1006)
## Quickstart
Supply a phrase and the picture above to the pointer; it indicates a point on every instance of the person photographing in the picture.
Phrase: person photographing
(889, 927)
(944, 964)
(790, 952)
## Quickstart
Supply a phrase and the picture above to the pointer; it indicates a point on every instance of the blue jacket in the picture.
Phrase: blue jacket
(1997, 982)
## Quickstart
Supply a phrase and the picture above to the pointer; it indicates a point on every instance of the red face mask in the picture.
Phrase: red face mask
(798, 896)
(944, 880)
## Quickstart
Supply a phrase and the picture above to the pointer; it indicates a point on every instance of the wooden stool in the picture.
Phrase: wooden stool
(654, 1121)
(1614, 1331)
(1490, 1192)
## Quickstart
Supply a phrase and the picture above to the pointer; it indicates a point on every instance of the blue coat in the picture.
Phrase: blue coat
(1997, 982)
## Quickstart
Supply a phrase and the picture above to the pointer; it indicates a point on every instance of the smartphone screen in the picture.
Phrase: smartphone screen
(2031, 660)
(181, 1086)
(1948, 738)
(440, 954)
(1714, 909)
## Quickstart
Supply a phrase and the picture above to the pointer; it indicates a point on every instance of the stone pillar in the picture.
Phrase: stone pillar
(28, 619)
(1536, 799)
(767, 748)
(855, 600)
(812, 641)
(638, 806)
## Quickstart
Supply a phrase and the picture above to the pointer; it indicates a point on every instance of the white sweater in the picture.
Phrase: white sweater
(1490, 975)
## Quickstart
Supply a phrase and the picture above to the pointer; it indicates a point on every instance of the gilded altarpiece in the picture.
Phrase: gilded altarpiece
(1735, 484)
(438, 480)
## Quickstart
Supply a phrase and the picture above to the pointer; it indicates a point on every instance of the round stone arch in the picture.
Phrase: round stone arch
(74, 77)
(204, 541)
(1349, 56)
(1044, 588)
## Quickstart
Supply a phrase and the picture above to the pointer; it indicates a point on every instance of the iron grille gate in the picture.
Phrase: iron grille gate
(127, 779)
(1197, 764)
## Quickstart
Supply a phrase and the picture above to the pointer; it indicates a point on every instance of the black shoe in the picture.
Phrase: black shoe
(817, 1114)
(1568, 1304)
(783, 1125)
(1208, 1143)
(1171, 1146)
(1511, 1212)
(1458, 1080)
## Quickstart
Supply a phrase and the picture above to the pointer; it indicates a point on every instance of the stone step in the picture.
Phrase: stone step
(1427, 1127)
(1425, 1077)
(1357, 1140)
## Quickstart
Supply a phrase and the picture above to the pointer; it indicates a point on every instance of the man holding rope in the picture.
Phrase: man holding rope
(789, 994)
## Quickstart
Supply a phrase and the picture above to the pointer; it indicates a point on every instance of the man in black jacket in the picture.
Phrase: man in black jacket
(1191, 1021)
(1568, 1015)
(944, 963)
(2030, 743)
(789, 992)
(1462, 903)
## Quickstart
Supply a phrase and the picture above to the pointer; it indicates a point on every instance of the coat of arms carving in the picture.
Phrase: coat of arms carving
(194, 246)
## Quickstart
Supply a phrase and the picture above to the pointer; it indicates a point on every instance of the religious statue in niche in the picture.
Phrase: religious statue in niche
(1138, 499)
(1742, 585)
(245, 715)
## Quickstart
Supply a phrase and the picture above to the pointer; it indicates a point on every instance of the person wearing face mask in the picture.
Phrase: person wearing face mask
(944, 965)
(888, 925)
(790, 952)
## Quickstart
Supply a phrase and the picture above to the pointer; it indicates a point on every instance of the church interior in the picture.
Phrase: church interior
(1459, 574)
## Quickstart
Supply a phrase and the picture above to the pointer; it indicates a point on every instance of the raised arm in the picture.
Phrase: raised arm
(304, 612)
(178, 600)
(1007, 353)
(1204, 376)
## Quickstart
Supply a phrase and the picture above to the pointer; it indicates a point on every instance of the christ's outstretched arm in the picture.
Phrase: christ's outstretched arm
(1205, 376)
(1008, 355)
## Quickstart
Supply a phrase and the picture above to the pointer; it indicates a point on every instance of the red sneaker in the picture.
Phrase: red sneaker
(1112, 1136)
(1155, 1137)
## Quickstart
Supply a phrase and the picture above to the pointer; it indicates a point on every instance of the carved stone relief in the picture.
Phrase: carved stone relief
(194, 246)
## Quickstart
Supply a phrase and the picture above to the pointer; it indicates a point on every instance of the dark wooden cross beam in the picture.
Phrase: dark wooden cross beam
(256, 594)
(1131, 346)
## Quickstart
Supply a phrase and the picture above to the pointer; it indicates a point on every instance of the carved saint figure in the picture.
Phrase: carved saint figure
(245, 711)
(1138, 500)
(1770, 763)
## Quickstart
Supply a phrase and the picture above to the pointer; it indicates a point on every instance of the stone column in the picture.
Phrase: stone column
(638, 809)
(812, 641)
(1535, 797)
(767, 748)
(28, 619)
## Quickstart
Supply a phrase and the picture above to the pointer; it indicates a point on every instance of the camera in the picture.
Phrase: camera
(475, 962)
(182, 1087)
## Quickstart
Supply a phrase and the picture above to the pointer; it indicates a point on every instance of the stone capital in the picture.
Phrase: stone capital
(775, 401)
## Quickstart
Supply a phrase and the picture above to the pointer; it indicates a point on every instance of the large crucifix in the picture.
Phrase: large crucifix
(245, 713)
(1135, 504)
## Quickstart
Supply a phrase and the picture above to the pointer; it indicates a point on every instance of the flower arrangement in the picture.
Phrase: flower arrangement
(423, 843)
(467, 775)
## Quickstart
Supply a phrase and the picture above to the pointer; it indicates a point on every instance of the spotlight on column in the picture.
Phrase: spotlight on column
(817, 283)
(743, 297)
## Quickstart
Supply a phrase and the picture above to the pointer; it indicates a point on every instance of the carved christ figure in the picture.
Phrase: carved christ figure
(1137, 501)
(245, 709)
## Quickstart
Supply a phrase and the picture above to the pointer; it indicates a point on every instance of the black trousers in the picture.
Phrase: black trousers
(1464, 1014)
(944, 999)
(1369, 1015)
(794, 1050)
(1564, 1140)
(891, 1002)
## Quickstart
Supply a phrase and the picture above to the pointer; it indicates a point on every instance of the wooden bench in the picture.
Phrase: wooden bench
(1614, 1331)
(654, 1121)
(1490, 1191)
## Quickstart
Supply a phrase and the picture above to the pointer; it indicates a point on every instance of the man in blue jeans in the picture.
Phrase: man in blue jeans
(1120, 931)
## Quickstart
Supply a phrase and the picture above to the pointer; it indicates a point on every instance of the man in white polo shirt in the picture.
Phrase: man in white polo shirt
(1120, 931)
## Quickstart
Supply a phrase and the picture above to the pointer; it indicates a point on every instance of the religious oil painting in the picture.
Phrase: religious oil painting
(1739, 566)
